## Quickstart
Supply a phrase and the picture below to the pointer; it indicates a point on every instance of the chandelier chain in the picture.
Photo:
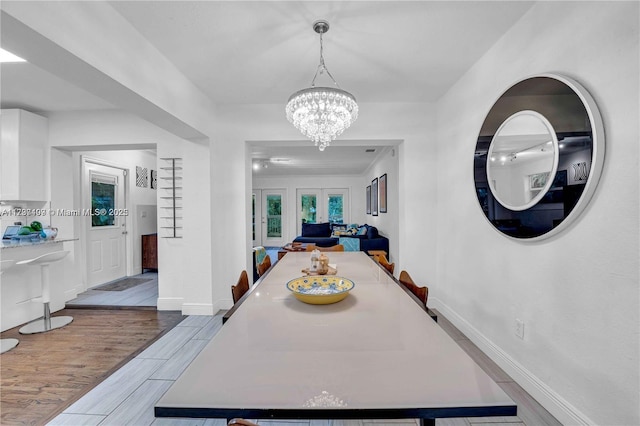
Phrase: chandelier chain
(322, 67)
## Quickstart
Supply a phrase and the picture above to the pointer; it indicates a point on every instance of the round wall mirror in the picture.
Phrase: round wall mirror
(523, 155)
(538, 157)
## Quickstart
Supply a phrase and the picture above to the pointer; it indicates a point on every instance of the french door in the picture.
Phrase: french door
(322, 205)
(269, 217)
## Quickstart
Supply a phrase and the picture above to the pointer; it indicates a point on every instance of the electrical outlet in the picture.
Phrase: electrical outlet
(519, 328)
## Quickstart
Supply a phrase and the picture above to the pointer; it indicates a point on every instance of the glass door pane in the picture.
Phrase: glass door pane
(337, 206)
(274, 216)
(308, 211)
(103, 200)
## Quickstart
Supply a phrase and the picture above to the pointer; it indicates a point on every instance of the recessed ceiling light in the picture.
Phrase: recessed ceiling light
(9, 57)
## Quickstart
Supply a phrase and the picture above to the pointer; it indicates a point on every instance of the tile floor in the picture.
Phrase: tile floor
(145, 294)
(128, 396)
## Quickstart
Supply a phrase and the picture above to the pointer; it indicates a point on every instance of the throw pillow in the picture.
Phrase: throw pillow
(362, 230)
(350, 244)
(261, 253)
(316, 229)
(372, 232)
(338, 227)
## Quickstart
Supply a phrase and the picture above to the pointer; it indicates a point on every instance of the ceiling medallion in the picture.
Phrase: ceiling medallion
(322, 113)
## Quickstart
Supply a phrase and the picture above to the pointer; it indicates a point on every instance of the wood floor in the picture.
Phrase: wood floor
(47, 372)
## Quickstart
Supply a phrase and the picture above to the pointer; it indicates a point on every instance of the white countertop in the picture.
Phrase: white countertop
(7, 244)
(376, 349)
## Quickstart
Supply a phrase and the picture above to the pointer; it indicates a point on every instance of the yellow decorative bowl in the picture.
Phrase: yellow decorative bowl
(320, 290)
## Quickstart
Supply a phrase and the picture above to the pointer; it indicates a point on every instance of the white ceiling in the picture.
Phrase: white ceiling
(305, 159)
(28, 87)
(262, 51)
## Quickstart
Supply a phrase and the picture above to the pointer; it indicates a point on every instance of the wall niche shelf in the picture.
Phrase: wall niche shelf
(171, 197)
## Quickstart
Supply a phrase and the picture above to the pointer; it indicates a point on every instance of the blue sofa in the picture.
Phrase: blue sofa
(324, 235)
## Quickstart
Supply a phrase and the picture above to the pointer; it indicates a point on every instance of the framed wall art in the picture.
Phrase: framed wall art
(368, 198)
(142, 178)
(383, 193)
(374, 197)
(154, 179)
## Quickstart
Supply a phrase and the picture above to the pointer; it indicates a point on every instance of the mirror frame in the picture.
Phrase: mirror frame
(594, 171)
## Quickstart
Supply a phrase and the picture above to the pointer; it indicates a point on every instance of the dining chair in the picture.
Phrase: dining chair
(337, 247)
(238, 290)
(382, 260)
(421, 293)
(264, 265)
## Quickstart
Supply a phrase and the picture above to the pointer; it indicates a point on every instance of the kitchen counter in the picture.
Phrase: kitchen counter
(21, 285)
(7, 244)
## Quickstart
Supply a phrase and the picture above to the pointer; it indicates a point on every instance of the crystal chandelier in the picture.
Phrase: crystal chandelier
(322, 113)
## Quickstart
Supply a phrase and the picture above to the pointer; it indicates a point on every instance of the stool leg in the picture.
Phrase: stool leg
(47, 323)
(46, 295)
(47, 316)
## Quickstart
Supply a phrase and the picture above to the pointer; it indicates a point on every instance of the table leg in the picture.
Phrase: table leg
(427, 422)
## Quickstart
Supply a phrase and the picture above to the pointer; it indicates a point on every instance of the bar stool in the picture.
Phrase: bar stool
(48, 322)
(7, 344)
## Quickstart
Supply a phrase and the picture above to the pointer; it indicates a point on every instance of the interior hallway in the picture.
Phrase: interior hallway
(145, 294)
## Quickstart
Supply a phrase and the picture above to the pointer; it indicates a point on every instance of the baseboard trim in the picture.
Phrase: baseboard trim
(170, 303)
(198, 309)
(70, 294)
(223, 305)
(560, 408)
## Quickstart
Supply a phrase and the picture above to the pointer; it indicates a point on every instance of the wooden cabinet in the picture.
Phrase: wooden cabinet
(23, 147)
(149, 251)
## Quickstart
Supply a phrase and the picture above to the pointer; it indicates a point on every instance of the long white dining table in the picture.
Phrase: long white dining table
(374, 355)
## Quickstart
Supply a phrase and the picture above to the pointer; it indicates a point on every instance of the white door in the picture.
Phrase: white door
(273, 217)
(256, 217)
(322, 205)
(106, 227)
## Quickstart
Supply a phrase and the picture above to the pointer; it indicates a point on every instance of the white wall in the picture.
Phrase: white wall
(388, 224)
(577, 292)
(184, 278)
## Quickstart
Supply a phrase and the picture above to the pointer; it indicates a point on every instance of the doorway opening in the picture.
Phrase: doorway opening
(117, 200)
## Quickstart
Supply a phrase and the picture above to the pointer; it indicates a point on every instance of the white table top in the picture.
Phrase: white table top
(376, 349)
